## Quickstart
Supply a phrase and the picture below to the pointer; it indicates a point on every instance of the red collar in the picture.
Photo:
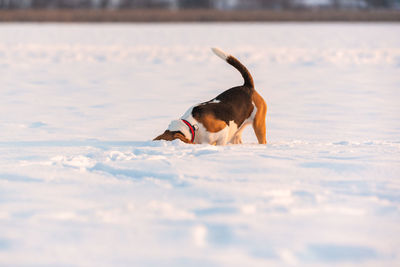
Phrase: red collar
(191, 128)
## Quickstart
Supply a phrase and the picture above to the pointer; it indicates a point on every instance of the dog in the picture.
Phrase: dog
(222, 120)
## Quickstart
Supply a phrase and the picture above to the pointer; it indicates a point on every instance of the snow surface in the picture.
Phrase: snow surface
(81, 184)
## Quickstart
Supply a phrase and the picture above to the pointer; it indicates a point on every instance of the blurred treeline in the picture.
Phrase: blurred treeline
(201, 4)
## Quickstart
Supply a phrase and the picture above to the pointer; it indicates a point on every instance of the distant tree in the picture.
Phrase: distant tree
(195, 4)
(4, 4)
(64, 3)
(379, 3)
(104, 3)
(267, 4)
(286, 4)
(86, 4)
(42, 3)
(336, 4)
(124, 4)
(133, 3)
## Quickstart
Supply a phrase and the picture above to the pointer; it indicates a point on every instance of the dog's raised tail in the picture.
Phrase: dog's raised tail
(248, 80)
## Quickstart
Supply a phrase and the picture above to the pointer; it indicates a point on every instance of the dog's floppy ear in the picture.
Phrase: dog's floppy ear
(181, 137)
(167, 135)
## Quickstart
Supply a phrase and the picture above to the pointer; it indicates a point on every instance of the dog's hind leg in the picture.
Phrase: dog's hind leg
(260, 129)
(259, 118)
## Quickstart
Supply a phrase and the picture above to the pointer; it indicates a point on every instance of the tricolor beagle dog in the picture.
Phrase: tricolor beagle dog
(222, 119)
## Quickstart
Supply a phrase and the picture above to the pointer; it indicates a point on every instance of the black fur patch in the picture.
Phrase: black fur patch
(235, 105)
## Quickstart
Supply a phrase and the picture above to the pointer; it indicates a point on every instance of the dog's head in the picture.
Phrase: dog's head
(172, 135)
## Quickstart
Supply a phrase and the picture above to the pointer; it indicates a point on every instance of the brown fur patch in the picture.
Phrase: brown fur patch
(169, 136)
(259, 118)
(182, 138)
(211, 123)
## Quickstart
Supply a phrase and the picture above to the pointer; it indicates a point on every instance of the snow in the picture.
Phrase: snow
(82, 184)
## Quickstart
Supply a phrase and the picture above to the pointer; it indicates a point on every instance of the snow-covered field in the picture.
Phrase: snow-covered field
(82, 184)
